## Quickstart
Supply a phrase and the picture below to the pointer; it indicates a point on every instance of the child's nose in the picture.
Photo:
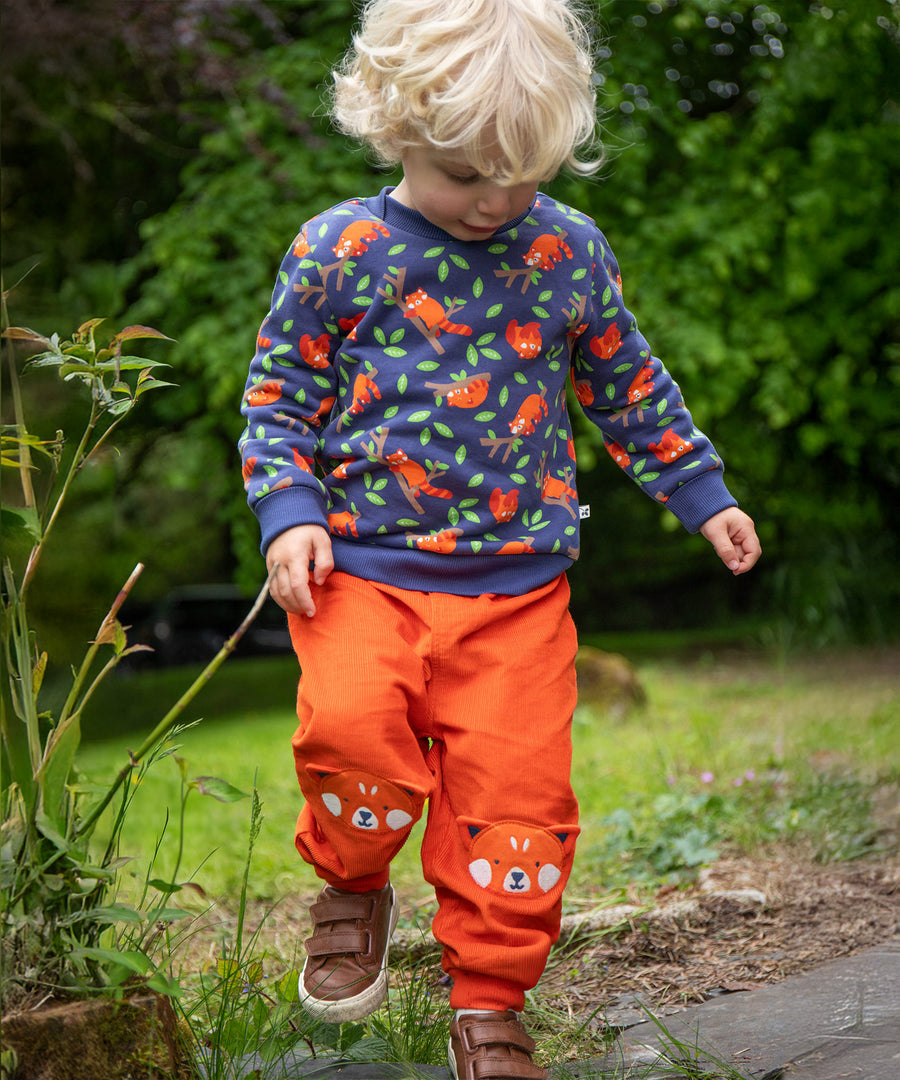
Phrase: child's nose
(494, 202)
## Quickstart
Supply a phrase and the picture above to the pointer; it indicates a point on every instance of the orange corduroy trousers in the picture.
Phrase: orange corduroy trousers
(466, 702)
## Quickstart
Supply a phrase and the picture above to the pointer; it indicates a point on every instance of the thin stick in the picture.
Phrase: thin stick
(168, 721)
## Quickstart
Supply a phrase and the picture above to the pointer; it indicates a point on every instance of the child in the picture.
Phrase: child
(409, 456)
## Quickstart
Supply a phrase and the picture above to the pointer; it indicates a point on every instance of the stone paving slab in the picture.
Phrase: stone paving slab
(840, 1021)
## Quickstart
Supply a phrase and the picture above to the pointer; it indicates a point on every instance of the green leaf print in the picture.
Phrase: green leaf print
(470, 515)
(542, 313)
(391, 411)
(607, 295)
(396, 249)
(476, 546)
(521, 378)
(485, 339)
(484, 417)
(453, 515)
(477, 288)
(579, 274)
(503, 396)
(380, 336)
(460, 454)
(376, 499)
(398, 335)
(610, 391)
(622, 367)
(476, 481)
(443, 270)
(282, 277)
(649, 477)
(407, 523)
(459, 260)
(518, 478)
(402, 383)
(472, 355)
(610, 313)
(432, 253)
(493, 311)
(425, 436)
(497, 249)
(394, 350)
(286, 326)
(280, 349)
(363, 282)
(427, 365)
(419, 417)
(661, 407)
(491, 354)
(442, 429)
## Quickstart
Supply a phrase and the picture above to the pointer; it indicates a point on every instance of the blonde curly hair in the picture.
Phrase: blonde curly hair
(507, 82)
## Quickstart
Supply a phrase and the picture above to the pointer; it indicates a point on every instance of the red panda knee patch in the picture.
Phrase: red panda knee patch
(516, 859)
(365, 801)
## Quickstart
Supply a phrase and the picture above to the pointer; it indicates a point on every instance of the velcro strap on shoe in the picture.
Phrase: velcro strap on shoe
(493, 1068)
(341, 909)
(330, 943)
(498, 1033)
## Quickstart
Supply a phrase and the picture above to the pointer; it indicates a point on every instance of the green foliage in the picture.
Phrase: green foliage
(668, 838)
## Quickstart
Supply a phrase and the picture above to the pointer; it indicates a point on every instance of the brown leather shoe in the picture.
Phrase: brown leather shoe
(491, 1045)
(345, 974)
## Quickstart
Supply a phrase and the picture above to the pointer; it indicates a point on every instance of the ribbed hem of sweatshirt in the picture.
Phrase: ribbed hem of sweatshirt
(283, 509)
(696, 501)
(460, 575)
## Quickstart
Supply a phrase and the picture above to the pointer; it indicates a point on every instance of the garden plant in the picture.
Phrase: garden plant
(66, 933)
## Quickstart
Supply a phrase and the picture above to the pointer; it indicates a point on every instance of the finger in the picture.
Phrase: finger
(323, 560)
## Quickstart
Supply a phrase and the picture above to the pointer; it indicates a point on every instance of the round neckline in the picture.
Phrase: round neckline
(393, 212)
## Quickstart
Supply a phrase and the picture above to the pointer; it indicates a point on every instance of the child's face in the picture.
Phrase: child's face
(444, 188)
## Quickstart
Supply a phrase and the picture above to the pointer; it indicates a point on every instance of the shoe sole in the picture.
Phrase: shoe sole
(451, 1060)
(361, 1004)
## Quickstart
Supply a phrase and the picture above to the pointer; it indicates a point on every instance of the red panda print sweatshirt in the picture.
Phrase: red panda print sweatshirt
(408, 393)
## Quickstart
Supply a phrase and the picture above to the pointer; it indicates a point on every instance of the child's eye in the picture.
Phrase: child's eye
(468, 179)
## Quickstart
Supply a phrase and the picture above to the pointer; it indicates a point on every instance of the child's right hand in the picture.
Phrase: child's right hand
(295, 552)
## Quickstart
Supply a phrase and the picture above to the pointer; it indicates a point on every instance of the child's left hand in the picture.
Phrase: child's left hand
(733, 534)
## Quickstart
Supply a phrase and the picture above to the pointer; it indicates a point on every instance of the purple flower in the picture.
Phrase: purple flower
(706, 777)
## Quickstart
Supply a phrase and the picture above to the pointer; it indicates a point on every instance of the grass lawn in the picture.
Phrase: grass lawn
(739, 750)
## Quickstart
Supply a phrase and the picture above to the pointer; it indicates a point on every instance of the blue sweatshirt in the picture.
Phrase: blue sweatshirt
(408, 393)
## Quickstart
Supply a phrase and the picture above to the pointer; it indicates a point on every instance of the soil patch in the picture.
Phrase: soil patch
(745, 924)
